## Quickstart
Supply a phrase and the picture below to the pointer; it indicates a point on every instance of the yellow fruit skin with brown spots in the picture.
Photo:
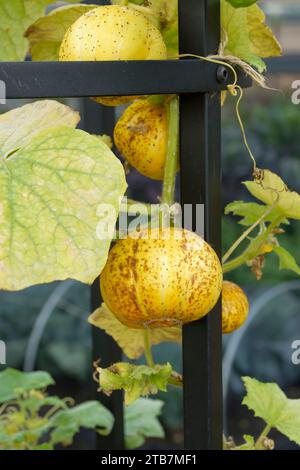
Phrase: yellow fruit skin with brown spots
(161, 278)
(112, 32)
(141, 135)
(235, 307)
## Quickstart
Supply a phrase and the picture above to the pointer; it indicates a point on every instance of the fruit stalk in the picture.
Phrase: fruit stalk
(148, 352)
(171, 165)
(249, 253)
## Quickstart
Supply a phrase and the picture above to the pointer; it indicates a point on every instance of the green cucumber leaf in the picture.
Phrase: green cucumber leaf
(34, 403)
(271, 189)
(58, 192)
(16, 17)
(14, 383)
(251, 212)
(136, 381)
(141, 422)
(286, 260)
(66, 423)
(269, 402)
(245, 35)
(46, 34)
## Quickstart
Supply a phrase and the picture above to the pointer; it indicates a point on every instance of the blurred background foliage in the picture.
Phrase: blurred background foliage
(272, 123)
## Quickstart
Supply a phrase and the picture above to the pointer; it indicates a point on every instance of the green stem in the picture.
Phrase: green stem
(148, 352)
(258, 443)
(171, 165)
(235, 263)
(175, 379)
(249, 252)
(245, 234)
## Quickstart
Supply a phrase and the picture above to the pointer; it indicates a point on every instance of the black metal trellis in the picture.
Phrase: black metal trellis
(199, 84)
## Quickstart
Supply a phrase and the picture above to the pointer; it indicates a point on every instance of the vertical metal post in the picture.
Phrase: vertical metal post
(96, 120)
(201, 183)
(100, 119)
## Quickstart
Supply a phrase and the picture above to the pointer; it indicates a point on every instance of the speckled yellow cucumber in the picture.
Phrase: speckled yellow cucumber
(235, 307)
(141, 135)
(112, 32)
(161, 278)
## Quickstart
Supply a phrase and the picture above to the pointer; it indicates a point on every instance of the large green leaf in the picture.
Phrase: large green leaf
(269, 403)
(14, 383)
(20, 125)
(16, 16)
(245, 35)
(141, 421)
(46, 34)
(57, 193)
(91, 415)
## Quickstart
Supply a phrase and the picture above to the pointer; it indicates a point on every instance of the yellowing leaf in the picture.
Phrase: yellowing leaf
(245, 35)
(130, 340)
(16, 16)
(271, 189)
(46, 34)
(269, 402)
(263, 41)
(52, 191)
(136, 381)
(20, 125)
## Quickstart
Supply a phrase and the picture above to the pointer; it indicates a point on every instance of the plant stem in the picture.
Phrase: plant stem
(175, 379)
(235, 263)
(171, 165)
(148, 352)
(245, 234)
(258, 443)
(249, 253)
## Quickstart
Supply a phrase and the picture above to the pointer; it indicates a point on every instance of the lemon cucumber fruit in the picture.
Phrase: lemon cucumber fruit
(161, 277)
(141, 135)
(112, 32)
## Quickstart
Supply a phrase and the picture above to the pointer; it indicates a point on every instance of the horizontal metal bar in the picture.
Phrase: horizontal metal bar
(82, 79)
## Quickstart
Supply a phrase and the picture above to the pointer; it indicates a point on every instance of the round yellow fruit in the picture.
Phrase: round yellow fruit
(161, 278)
(112, 32)
(235, 307)
(141, 135)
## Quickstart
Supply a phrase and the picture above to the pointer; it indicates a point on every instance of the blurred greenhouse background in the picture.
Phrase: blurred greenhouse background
(45, 327)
